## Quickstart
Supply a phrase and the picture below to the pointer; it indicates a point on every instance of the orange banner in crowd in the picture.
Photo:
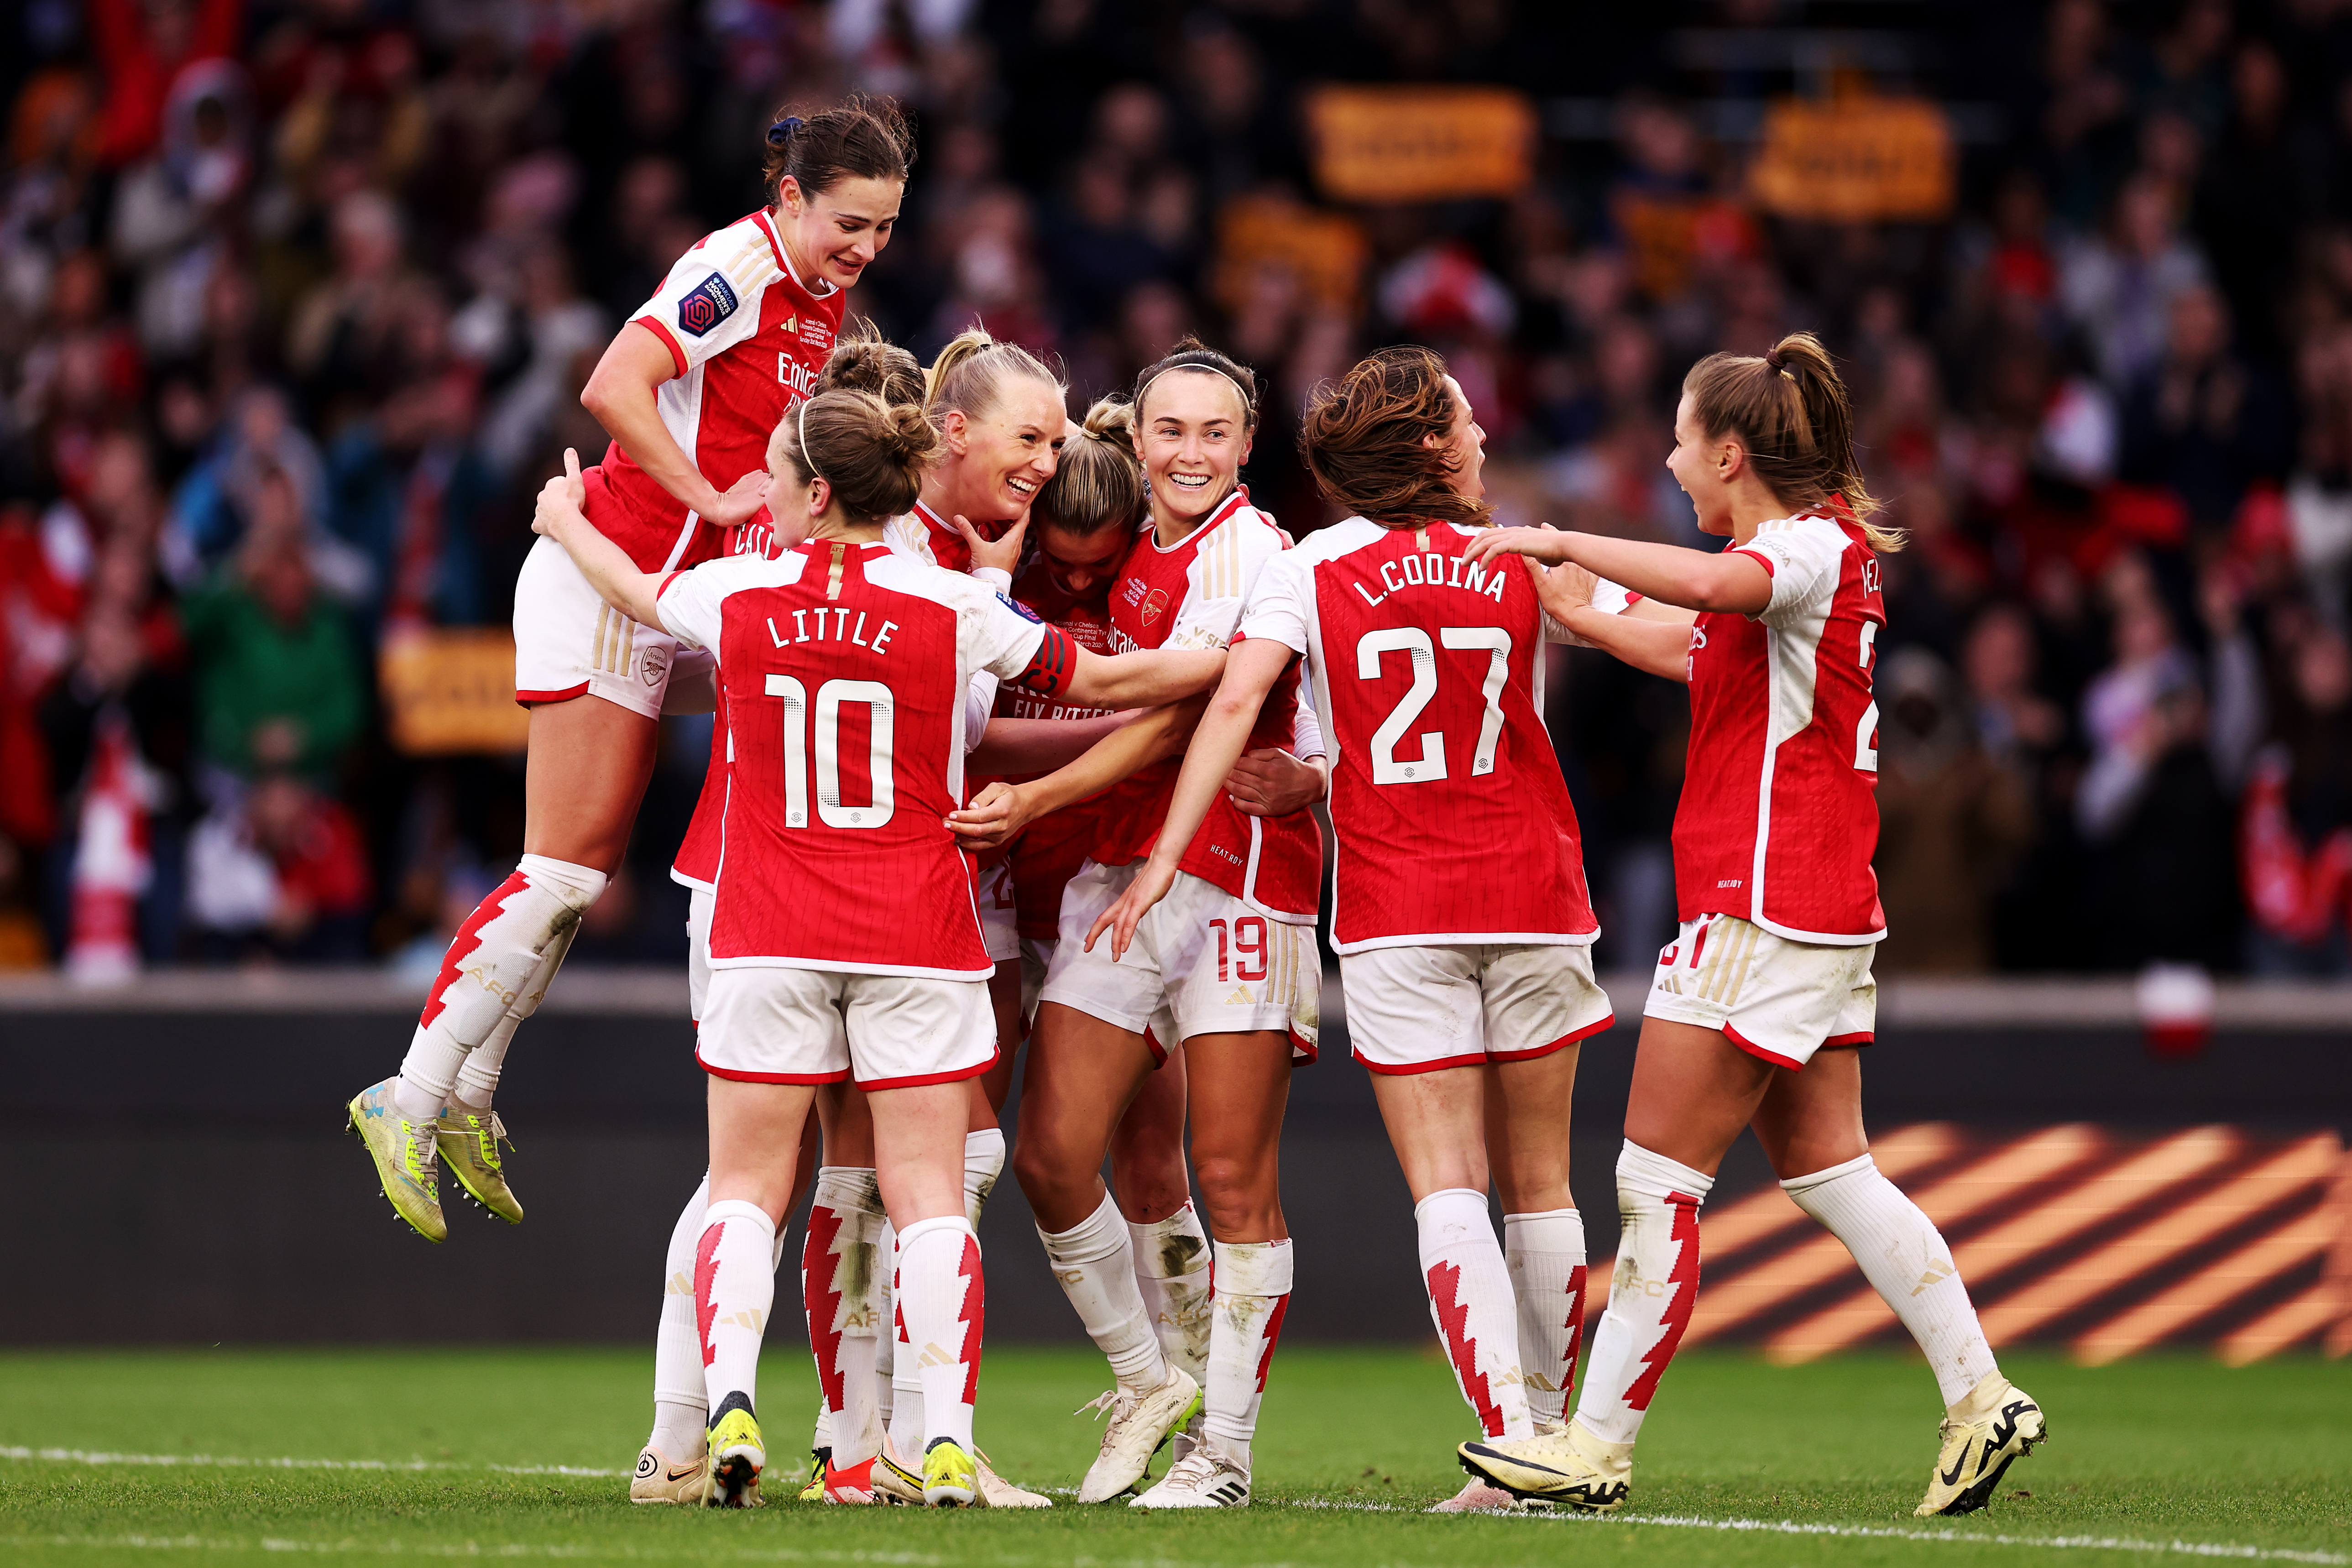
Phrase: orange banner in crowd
(1421, 143)
(1855, 160)
(451, 690)
(1325, 250)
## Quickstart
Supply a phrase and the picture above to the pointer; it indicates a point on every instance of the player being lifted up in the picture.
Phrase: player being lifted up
(691, 388)
(1227, 968)
(1459, 905)
(844, 939)
(1757, 1004)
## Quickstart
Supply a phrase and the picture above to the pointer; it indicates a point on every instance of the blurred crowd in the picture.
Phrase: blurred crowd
(297, 297)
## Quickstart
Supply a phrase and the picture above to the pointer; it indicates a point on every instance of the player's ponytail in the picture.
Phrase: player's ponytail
(1099, 483)
(863, 360)
(1789, 407)
(1375, 441)
(871, 453)
(860, 138)
(969, 373)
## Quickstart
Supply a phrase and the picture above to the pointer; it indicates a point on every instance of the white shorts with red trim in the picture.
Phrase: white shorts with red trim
(813, 1026)
(1202, 963)
(998, 930)
(570, 643)
(1773, 998)
(1418, 1009)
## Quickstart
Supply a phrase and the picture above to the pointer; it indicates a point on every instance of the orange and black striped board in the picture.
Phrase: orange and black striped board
(2106, 1242)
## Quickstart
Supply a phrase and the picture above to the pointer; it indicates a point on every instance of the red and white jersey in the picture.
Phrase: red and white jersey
(1780, 809)
(1189, 594)
(1453, 823)
(1051, 849)
(748, 341)
(846, 669)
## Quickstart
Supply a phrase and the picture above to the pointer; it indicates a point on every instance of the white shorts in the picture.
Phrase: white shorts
(1773, 998)
(771, 1025)
(998, 932)
(698, 902)
(1418, 1009)
(570, 643)
(1036, 958)
(1203, 962)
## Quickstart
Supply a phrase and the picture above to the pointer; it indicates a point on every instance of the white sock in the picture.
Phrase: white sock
(839, 1266)
(490, 964)
(1253, 1294)
(680, 1419)
(734, 1287)
(1470, 1300)
(1172, 1273)
(983, 1162)
(1650, 1295)
(1094, 1261)
(478, 1077)
(1545, 1255)
(944, 1301)
(1904, 1257)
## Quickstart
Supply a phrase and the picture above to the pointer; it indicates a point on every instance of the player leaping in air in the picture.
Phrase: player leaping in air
(1757, 1004)
(844, 939)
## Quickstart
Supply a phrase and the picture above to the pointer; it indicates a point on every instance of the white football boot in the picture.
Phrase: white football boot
(1205, 1477)
(1138, 1424)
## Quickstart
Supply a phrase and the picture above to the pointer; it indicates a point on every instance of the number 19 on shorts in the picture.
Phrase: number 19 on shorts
(818, 729)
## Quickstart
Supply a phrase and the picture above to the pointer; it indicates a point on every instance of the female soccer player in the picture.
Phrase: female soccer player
(1459, 905)
(1227, 967)
(690, 389)
(844, 939)
(1756, 1005)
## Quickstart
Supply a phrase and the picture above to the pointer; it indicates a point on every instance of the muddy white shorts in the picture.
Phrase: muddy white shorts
(570, 643)
(698, 903)
(1773, 998)
(998, 931)
(772, 1025)
(1203, 962)
(1417, 1009)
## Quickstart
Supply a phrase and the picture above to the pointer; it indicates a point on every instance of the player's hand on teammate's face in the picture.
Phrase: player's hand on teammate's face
(1542, 543)
(1270, 782)
(989, 822)
(1150, 886)
(743, 498)
(1002, 552)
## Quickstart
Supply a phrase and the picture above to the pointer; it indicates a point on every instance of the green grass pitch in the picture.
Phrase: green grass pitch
(2154, 1457)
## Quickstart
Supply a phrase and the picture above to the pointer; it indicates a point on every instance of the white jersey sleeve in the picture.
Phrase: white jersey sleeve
(979, 703)
(997, 639)
(1218, 580)
(711, 300)
(1278, 609)
(1307, 727)
(1803, 554)
(689, 604)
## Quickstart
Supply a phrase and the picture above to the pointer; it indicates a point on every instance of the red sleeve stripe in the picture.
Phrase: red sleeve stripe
(1758, 557)
(668, 580)
(1053, 667)
(670, 339)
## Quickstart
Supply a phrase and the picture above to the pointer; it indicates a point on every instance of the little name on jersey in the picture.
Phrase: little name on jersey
(803, 619)
(1436, 571)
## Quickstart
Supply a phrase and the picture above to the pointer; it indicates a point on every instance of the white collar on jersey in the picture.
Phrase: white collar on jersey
(1223, 510)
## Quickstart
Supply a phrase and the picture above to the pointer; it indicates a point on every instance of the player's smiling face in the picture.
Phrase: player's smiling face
(836, 234)
(1196, 438)
(1465, 446)
(1699, 464)
(1082, 564)
(1005, 456)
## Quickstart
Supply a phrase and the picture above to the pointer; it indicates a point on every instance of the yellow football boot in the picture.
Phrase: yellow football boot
(1995, 1425)
(405, 1159)
(470, 1142)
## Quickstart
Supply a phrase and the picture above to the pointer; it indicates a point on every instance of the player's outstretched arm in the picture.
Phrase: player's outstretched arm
(1036, 745)
(605, 565)
(1002, 810)
(1144, 678)
(620, 393)
(1692, 579)
(1657, 643)
(1250, 674)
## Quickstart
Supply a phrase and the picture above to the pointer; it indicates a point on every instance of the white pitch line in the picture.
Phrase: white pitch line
(1667, 1521)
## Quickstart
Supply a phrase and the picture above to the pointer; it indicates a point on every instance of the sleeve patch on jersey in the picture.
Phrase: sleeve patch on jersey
(707, 304)
(1018, 608)
(1053, 667)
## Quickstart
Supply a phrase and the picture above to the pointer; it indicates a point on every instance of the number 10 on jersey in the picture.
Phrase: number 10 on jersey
(819, 730)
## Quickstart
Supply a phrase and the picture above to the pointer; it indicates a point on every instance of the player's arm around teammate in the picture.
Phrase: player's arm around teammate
(690, 387)
(1466, 998)
(1757, 1007)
